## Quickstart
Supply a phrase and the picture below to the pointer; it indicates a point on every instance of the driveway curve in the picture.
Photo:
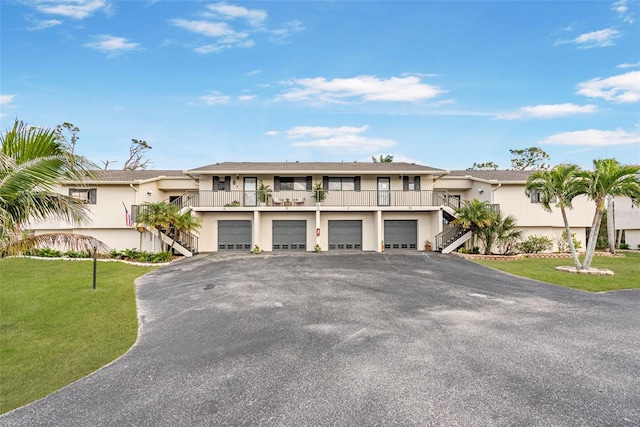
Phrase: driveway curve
(360, 339)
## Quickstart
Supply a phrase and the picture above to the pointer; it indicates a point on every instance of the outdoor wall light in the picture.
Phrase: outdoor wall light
(149, 193)
(481, 191)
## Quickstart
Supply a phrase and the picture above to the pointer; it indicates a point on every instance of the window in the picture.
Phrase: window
(86, 194)
(537, 197)
(221, 183)
(291, 184)
(341, 183)
(411, 183)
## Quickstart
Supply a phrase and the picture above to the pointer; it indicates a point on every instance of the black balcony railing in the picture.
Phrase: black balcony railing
(362, 198)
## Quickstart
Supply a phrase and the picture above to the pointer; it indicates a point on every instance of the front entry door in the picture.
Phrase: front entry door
(250, 187)
(384, 185)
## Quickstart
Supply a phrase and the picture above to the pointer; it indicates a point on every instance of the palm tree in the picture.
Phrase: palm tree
(475, 215)
(501, 233)
(156, 215)
(184, 223)
(32, 161)
(559, 185)
(608, 177)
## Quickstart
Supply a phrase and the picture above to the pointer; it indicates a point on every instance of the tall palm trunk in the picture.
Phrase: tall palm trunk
(593, 235)
(574, 254)
(611, 227)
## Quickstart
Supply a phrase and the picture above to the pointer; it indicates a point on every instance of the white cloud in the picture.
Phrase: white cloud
(368, 88)
(594, 138)
(112, 44)
(622, 9)
(206, 28)
(254, 17)
(629, 65)
(339, 139)
(549, 111)
(75, 9)
(247, 97)
(215, 99)
(6, 99)
(254, 72)
(285, 32)
(623, 88)
(324, 132)
(226, 36)
(601, 38)
(272, 133)
(44, 24)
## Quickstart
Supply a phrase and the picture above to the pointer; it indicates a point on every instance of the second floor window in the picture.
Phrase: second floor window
(293, 184)
(537, 197)
(411, 183)
(350, 183)
(221, 183)
(86, 194)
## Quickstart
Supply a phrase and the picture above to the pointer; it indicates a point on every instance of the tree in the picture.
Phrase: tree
(184, 223)
(483, 166)
(529, 158)
(384, 158)
(608, 177)
(475, 215)
(32, 161)
(137, 152)
(505, 233)
(156, 215)
(73, 135)
(560, 186)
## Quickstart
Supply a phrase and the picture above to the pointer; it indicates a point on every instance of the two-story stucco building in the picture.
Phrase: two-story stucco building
(339, 206)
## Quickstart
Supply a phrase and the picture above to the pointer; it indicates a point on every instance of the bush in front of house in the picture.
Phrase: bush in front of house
(535, 244)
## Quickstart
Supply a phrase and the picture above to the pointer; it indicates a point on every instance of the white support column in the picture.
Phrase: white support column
(379, 232)
(318, 227)
(256, 229)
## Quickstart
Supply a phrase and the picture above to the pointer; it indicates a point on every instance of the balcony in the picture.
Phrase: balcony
(302, 199)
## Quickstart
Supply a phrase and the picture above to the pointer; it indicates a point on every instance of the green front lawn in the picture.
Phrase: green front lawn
(54, 328)
(625, 267)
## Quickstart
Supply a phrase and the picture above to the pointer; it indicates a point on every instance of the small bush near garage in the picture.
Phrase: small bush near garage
(535, 245)
(135, 255)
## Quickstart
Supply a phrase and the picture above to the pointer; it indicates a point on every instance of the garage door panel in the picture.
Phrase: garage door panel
(290, 235)
(400, 234)
(345, 235)
(234, 235)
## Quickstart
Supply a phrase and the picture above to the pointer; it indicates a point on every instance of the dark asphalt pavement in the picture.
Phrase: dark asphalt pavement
(360, 339)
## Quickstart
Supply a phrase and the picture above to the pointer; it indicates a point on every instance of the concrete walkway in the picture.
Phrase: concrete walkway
(357, 340)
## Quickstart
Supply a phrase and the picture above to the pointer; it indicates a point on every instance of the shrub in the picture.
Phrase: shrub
(81, 254)
(161, 256)
(47, 253)
(475, 250)
(624, 246)
(143, 256)
(114, 254)
(563, 243)
(130, 253)
(463, 251)
(535, 244)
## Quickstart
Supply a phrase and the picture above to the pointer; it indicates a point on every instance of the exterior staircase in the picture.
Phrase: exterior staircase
(185, 243)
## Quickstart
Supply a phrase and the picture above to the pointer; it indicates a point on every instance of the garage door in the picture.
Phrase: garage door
(234, 235)
(345, 235)
(400, 234)
(289, 235)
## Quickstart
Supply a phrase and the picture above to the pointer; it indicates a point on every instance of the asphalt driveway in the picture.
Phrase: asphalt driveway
(358, 340)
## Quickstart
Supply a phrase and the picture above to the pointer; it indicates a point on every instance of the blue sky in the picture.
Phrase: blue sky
(444, 84)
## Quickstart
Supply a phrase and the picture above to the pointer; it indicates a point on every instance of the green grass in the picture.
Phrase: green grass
(626, 269)
(55, 329)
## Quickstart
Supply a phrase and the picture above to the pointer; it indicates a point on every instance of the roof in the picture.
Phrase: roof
(133, 175)
(321, 167)
(495, 175)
